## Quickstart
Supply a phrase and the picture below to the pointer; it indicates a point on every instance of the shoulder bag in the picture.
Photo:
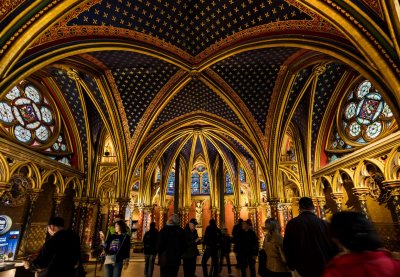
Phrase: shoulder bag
(111, 259)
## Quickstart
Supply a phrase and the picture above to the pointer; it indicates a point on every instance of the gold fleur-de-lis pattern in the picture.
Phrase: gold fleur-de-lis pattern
(196, 96)
(138, 77)
(252, 76)
(191, 25)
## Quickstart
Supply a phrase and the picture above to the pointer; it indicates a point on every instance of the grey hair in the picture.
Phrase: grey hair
(173, 220)
(271, 225)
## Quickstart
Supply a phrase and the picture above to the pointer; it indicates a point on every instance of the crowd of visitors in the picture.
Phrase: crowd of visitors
(347, 247)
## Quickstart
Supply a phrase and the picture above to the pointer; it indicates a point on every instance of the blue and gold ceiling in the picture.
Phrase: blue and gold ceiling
(138, 78)
(252, 76)
(196, 96)
(138, 48)
(326, 85)
(191, 25)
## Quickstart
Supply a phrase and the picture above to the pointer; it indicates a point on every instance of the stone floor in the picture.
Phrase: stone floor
(136, 268)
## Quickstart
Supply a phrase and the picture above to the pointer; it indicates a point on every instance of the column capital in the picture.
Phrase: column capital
(337, 196)
(34, 194)
(361, 193)
(58, 198)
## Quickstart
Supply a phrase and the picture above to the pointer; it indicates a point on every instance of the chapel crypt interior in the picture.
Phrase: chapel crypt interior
(218, 109)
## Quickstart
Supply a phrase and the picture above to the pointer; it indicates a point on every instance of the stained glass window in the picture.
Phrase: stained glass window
(365, 115)
(28, 115)
(263, 186)
(171, 183)
(195, 183)
(242, 175)
(205, 186)
(229, 188)
(135, 186)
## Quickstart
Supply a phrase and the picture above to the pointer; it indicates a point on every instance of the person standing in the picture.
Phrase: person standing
(362, 255)
(236, 231)
(117, 245)
(190, 255)
(212, 242)
(273, 246)
(150, 249)
(248, 248)
(306, 244)
(225, 251)
(171, 245)
(60, 255)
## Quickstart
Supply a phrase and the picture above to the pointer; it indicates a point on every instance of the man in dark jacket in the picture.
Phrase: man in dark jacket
(306, 244)
(248, 249)
(190, 255)
(171, 245)
(150, 249)
(236, 231)
(60, 254)
(212, 242)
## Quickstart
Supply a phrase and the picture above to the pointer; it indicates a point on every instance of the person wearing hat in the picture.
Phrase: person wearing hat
(60, 255)
(190, 255)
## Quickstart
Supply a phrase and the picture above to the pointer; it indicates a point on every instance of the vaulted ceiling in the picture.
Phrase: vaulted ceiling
(239, 71)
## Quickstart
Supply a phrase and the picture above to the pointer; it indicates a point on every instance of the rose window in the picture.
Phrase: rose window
(27, 115)
(366, 115)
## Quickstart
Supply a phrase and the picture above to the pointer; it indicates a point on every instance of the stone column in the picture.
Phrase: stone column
(163, 217)
(281, 217)
(88, 226)
(122, 204)
(99, 224)
(177, 184)
(316, 205)
(33, 196)
(321, 203)
(185, 217)
(273, 204)
(362, 193)
(147, 217)
(338, 198)
(256, 220)
(394, 189)
(82, 219)
(236, 213)
(75, 217)
(140, 223)
(58, 198)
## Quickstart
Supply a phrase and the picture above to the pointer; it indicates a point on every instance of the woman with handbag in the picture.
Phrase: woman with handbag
(117, 248)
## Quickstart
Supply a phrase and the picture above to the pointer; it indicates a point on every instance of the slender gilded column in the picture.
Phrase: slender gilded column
(33, 197)
(58, 198)
(362, 194)
(321, 204)
(338, 198)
